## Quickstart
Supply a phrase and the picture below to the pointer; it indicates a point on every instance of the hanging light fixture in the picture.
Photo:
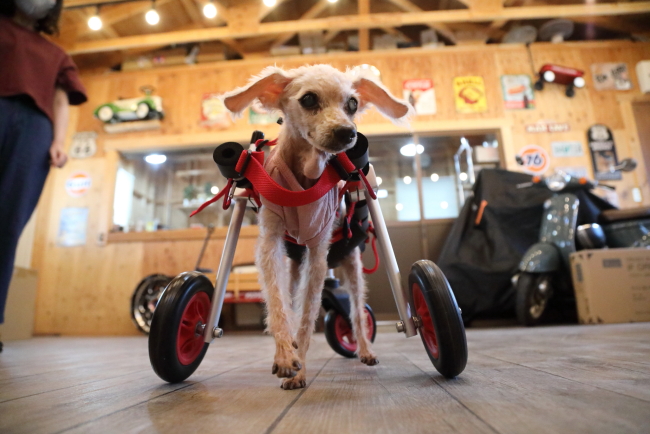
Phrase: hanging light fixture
(269, 3)
(152, 16)
(332, 1)
(94, 22)
(210, 10)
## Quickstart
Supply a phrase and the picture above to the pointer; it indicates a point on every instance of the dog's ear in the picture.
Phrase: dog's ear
(370, 91)
(267, 87)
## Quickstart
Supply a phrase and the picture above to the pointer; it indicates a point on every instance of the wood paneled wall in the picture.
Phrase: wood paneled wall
(86, 290)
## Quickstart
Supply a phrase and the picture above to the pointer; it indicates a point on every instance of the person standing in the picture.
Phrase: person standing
(38, 83)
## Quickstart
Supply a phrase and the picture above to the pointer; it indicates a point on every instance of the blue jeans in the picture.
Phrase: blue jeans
(25, 138)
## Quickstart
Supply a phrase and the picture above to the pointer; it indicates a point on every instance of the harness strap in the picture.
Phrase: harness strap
(253, 170)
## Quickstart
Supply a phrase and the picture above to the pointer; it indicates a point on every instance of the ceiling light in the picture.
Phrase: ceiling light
(444, 205)
(269, 3)
(399, 207)
(463, 176)
(379, 181)
(94, 22)
(410, 150)
(214, 189)
(382, 194)
(155, 158)
(152, 16)
(435, 177)
(332, 1)
(407, 180)
(210, 10)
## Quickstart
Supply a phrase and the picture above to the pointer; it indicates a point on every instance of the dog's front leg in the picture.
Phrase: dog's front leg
(279, 315)
(353, 268)
(316, 269)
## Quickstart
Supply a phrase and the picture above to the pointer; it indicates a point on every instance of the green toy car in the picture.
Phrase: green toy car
(132, 109)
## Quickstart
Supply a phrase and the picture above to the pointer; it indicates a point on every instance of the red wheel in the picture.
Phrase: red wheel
(340, 336)
(189, 343)
(436, 312)
(176, 345)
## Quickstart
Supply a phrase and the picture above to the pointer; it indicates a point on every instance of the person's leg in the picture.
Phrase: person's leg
(25, 139)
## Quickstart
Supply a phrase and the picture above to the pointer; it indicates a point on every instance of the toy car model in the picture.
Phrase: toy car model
(570, 77)
(132, 109)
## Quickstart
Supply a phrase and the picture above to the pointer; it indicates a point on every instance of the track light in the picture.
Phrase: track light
(94, 22)
(152, 16)
(210, 10)
(269, 3)
(332, 1)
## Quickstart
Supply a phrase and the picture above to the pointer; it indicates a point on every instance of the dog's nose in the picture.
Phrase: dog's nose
(345, 135)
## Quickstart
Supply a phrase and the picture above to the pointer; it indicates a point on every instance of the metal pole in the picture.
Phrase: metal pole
(424, 242)
(388, 257)
(224, 266)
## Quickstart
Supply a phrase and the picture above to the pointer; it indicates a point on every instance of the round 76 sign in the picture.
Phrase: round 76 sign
(535, 158)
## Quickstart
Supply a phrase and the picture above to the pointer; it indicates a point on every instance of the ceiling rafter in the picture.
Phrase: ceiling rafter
(313, 12)
(352, 22)
(441, 28)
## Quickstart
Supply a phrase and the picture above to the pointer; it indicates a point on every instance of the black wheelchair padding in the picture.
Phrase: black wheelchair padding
(340, 249)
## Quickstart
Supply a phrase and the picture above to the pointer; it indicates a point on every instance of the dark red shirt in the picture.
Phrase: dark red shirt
(31, 65)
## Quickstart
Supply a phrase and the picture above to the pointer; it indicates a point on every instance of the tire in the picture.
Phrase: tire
(570, 91)
(441, 325)
(340, 336)
(105, 114)
(145, 299)
(532, 298)
(175, 350)
(143, 111)
(539, 84)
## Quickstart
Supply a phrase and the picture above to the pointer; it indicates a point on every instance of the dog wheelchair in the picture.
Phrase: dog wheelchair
(186, 318)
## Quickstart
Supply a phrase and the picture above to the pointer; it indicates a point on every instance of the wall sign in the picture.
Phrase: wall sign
(78, 184)
(603, 152)
(72, 227)
(258, 115)
(470, 94)
(575, 171)
(84, 144)
(420, 93)
(611, 76)
(547, 127)
(567, 149)
(536, 159)
(213, 111)
(517, 91)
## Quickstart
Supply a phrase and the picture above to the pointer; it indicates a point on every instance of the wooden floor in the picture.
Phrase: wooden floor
(579, 379)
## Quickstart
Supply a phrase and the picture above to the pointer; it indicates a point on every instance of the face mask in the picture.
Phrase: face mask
(35, 9)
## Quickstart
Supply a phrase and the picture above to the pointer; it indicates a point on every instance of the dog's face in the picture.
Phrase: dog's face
(318, 102)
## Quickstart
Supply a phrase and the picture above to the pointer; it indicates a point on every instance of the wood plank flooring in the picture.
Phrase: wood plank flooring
(574, 379)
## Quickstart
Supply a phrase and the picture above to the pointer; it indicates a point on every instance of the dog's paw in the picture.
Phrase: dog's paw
(297, 382)
(370, 360)
(284, 370)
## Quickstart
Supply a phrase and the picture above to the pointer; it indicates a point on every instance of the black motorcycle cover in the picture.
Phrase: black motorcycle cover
(479, 260)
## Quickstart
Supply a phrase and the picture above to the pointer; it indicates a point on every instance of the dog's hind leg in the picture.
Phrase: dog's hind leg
(279, 315)
(353, 269)
(309, 305)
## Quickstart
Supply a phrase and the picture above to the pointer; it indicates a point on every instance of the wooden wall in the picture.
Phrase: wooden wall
(85, 290)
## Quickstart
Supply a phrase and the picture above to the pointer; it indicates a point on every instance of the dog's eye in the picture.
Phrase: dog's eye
(352, 105)
(309, 101)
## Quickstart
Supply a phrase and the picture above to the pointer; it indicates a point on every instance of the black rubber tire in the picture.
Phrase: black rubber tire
(570, 91)
(333, 340)
(153, 282)
(165, 324)
(539, 84)
(445, 317)
(527, 295)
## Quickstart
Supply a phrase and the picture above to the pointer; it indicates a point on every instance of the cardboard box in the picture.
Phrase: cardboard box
(612, 285)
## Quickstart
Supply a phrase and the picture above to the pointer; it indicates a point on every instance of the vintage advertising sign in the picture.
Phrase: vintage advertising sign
(78, 184)
(72, 227)
(258, 115)
(543, 126)
(517, 91)
(603, 152)
(611, 76)
(421, 94)
(214, 112)
(469, 93)
(567, 149)
(536, 159)
(84, 144)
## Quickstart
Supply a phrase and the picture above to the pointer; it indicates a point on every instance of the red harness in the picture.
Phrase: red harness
(251, 166)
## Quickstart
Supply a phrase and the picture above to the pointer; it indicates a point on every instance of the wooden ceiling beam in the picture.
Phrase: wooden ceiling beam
(311, 13)
(364, 34)
(441, 28)
(352, 22)
(81, 3)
